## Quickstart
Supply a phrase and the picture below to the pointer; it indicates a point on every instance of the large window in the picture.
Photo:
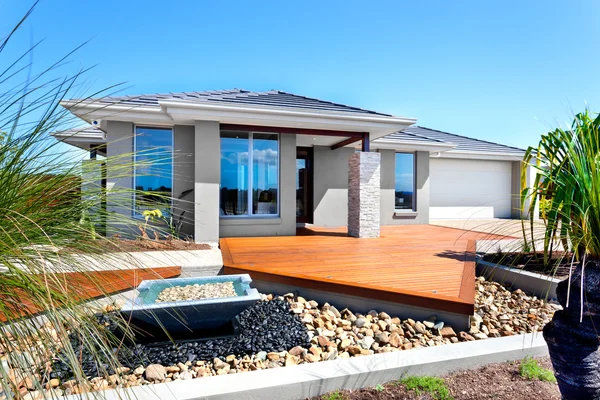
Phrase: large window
(405, 181)
(153, 169)
(249, 174)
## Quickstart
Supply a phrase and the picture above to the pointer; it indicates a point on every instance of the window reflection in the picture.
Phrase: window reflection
(265, 173)
(405, 181)
(234, 173)
(153, 169)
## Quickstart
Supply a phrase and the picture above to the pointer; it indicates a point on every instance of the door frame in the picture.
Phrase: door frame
(309, 151)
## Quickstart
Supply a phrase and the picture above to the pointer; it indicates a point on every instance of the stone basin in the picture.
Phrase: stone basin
(186, 317)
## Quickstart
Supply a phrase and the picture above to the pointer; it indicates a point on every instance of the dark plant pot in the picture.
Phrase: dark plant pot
(573, 345)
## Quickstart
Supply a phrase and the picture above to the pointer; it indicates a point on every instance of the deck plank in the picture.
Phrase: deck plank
(79, 287)
(421, 265)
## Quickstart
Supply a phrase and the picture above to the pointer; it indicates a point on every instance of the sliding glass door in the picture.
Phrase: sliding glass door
(249, 174)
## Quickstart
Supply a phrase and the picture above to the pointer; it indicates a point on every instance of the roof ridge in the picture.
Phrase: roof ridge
(467, 137)
(206, 92)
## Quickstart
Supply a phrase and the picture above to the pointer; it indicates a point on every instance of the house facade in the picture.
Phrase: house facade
(242, 163)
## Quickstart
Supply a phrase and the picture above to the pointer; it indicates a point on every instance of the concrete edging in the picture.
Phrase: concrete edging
(535, 284)
(308, 380)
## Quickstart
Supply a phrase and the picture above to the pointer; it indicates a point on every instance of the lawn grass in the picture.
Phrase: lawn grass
(530, 369)
(435, 387)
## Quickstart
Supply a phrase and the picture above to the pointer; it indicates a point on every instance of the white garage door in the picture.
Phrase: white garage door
(470, 189)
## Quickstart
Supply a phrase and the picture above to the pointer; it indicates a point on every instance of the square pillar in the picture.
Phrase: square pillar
(207, 180)
(364, 194)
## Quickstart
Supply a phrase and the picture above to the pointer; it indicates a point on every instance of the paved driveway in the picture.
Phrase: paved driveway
(504, 227)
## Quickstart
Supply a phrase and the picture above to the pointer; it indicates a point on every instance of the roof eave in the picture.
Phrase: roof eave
(166, 104)
(412, 146)
(185, 112)
(483, 155)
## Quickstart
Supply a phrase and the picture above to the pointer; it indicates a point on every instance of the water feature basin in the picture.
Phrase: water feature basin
(188, 318)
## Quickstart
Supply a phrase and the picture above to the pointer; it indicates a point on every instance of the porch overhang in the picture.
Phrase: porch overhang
(181, 112)
(85, 138)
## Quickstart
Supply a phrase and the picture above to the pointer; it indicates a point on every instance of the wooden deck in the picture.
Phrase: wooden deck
(79, 287)
(420, 265)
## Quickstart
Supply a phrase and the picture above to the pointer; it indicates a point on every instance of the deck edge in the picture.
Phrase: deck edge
(455, 305)
(467, 285)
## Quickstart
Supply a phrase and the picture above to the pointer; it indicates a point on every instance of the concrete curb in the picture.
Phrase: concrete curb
(308, 380)
(534, 284)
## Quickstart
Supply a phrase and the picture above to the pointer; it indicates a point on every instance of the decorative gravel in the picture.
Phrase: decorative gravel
(196, 292)
(282, 331)
(266, 326)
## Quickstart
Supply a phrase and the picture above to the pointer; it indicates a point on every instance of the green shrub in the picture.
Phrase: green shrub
(435, 387)
(530, 369)
(337, 395)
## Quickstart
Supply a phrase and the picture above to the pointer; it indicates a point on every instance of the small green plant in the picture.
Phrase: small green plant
(545, 207)
(435, 387)
(530, 369)
(157, 215)
(380, 388)
(337, 395)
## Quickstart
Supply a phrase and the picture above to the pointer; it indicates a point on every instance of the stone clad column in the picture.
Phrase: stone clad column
(364, 193)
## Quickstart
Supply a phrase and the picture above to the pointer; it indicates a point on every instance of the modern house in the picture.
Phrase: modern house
(243, 163)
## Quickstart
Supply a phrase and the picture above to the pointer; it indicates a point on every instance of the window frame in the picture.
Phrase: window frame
(414, 184)
(250, 204)
(134, 212)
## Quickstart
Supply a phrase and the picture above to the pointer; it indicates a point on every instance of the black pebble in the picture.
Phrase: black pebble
(265, 326)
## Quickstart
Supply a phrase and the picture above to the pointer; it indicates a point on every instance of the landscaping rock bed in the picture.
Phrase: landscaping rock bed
(289, 330)
(197, 292)
(266, 326)
(500, 312)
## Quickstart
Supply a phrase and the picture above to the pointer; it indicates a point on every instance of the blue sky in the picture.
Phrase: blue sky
(501, 71)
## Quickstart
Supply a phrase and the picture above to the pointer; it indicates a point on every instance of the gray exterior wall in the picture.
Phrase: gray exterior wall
(119, 174)
(389, 216)
(207, 180)
(183, 177)
(331, 186)
(197, 165)
(285, 225)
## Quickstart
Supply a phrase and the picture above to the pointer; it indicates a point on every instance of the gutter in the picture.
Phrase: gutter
(166, 104)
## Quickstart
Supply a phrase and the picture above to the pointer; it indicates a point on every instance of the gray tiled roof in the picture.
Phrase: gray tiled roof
(273, 98)
(463, 143)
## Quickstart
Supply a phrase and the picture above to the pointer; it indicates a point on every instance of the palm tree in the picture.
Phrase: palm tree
(567, 162)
